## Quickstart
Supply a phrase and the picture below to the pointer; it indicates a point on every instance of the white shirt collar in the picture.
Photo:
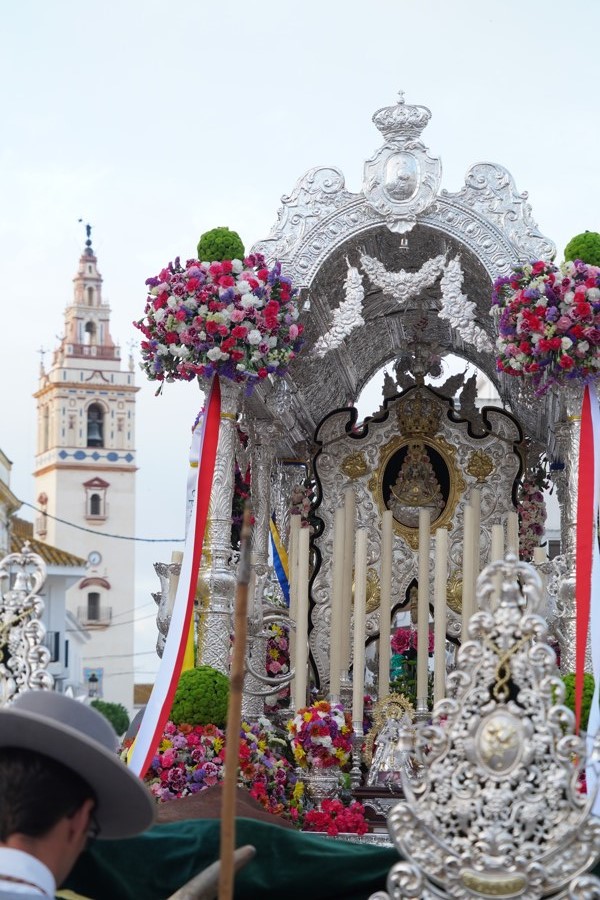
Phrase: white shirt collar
(18, 864)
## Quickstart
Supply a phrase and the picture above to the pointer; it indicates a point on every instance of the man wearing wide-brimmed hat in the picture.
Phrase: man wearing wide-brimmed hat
(61, 783)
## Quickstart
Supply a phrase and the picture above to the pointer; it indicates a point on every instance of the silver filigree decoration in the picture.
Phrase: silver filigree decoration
(458, 310)
(347, 316)
(23, 656)
(402, 285)
(498, 812)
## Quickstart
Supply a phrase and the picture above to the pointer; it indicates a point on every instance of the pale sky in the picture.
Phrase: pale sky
(156, 121)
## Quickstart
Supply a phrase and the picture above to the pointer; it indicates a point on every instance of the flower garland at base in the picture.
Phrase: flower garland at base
(191, 758)
(549, 323)
(321, 736)
(335, 818)
(532, 511)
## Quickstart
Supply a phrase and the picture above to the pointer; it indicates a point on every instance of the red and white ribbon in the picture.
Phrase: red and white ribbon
(161, 699)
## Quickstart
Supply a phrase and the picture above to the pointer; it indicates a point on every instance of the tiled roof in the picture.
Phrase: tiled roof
(22, 531)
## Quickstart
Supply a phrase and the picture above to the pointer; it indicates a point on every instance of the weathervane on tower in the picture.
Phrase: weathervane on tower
(88, 243)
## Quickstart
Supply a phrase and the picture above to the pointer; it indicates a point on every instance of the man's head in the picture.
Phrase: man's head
(61, 780)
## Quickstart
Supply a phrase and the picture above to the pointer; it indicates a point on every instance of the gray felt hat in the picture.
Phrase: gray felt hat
(85, 742)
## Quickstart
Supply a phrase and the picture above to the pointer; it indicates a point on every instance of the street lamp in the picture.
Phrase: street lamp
(93, 685)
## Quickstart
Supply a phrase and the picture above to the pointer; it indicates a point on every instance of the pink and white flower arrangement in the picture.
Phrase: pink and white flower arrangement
(321, 736)
(236, 318)
(532, 510)
(549, 323)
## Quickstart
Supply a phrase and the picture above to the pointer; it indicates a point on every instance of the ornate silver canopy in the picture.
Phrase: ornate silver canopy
(401, 221)
(497, 812)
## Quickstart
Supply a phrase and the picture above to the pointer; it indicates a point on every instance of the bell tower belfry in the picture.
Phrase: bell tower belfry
(84, 473)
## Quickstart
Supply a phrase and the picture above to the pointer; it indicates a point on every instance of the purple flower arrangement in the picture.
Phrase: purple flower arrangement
(549, 323)
(238, 319)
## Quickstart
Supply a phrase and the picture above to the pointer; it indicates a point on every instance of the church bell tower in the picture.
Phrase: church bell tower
(85, 477)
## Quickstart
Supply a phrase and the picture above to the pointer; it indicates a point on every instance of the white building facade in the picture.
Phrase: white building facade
(85, 476)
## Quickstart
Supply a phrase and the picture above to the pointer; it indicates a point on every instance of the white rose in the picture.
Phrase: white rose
(254, 337)
(202, 335)
(272, 341)
(593, 293)
(566, 342)
(583, 346)
(162, 350)
(191, 303)
(202, 310)
(237, 265)
(172, 302)
(159, 315)
(242, 286)
(214, 354)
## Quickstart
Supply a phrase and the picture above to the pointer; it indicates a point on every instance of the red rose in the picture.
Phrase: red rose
(262, 373)
(171, 337)
(263, 274)
(192, 284)
(226, 281)
(223, 330)
(236, 355)
(240, 331)
(566, 362)
(180, 315)
(211, 326)
(215, 269)
(226, 266)
(228, 344)
(525, 347)
(160, 301)
(538, 267)
(272, 308)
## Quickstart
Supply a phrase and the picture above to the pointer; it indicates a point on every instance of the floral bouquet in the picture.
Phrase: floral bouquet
(405, 639)
(335, 818)
(234, 318)
(549, 323)
(321, 736)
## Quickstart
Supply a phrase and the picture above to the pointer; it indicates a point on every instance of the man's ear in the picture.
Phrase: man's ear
(79, 822)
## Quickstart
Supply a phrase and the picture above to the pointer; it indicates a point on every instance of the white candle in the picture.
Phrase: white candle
(468, 593)
(475, 502)
(337, 609)
(512, 533)
(497, 550)
(439, 613)
(423, 606)
(295, 525)
(360, 613)
(301, 680)
(385, 604)
(349, 527)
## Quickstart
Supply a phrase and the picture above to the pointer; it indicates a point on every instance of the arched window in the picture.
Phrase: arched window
(89, 335)
(95, 505)
(93, 607)
(90, 293)
(95, 426)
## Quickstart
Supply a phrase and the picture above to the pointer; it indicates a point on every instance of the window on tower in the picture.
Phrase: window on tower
(95, 426)
(95, 505)
(90, 293)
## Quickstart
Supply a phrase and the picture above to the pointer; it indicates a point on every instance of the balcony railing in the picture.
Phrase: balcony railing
(94, 616)
(96, 351)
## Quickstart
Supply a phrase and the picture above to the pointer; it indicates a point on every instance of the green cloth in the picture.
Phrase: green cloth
(288, 864)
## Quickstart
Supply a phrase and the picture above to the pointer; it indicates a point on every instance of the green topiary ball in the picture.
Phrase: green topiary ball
(115, 713)
(586, 700)
(201, 698)
(585, 247)
(219, 244)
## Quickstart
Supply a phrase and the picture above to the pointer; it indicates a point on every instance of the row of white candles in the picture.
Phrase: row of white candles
(349, 576)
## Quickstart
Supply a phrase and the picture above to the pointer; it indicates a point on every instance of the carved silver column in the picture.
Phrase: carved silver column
(215, 605)
(263, 437)
(567, 436)
(23, 655)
